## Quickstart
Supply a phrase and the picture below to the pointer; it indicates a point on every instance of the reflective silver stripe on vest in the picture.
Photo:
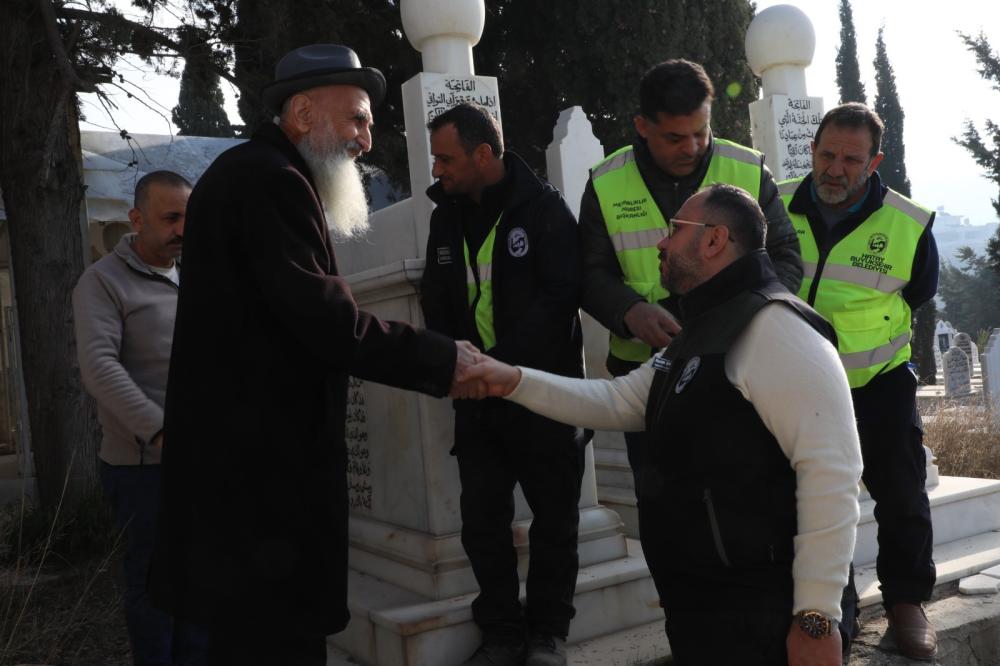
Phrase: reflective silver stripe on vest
(859, 276)
(907, 207)
(637, 240)
(788, 186)
(872, 357)
(737, 153)
(485, 273)
(615, 163)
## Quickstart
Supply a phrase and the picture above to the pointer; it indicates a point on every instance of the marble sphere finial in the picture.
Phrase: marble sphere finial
(424, 20)
(780, 35)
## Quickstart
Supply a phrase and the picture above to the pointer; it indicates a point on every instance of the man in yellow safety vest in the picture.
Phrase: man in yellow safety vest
(869, 260)
(629, 198)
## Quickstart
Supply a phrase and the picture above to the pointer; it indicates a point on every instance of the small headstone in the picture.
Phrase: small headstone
(943, 333)
(991, 374)
(979, 584)
(957, 378)
(963, 342)
(974, 359)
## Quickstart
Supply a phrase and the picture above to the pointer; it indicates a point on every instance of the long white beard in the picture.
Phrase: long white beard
(339, 186)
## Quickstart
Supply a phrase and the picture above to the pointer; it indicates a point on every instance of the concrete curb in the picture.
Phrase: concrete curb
(968, 629)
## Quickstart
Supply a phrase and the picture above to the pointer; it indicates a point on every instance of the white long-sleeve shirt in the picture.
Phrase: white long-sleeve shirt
(796, 383)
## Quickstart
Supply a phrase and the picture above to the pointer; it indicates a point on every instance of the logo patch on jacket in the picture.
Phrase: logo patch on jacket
(689, 371)
(444, 255)
(661, 364)
(517, 242)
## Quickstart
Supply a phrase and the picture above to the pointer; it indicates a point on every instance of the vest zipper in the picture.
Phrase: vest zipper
(716, 533)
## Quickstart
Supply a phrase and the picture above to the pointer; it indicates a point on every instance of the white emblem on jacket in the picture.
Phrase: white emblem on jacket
(688, 374)
(517, 242)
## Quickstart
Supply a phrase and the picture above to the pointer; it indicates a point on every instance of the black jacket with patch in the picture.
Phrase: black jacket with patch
(536, 271)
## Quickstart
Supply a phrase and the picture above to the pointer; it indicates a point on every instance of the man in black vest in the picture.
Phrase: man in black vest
(750, 492)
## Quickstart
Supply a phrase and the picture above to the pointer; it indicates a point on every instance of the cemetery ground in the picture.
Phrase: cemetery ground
(61, 593)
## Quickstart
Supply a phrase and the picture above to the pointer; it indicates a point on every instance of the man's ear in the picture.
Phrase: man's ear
(300, 113)
(718, 239)
(640, 123)
(482, 155)
(875, 162)
(135, 218)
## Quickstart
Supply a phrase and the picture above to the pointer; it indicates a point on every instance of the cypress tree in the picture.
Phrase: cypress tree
(893, 167)
(924, 320)
(848, 72)
(200, 105)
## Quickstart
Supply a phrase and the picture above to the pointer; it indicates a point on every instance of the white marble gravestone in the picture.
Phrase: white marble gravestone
(780, 43)
(957, 378)
(991, 374)
(964, 342)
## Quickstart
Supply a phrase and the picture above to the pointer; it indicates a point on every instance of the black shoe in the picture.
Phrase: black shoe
(546, 650)
(497, 651)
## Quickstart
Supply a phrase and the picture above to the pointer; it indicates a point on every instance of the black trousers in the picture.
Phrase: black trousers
(264, 646)
(490, 462)
(895, 473)
(720, 637)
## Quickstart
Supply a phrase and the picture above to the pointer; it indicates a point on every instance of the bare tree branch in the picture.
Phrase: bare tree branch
(73, 80)
(117, 20)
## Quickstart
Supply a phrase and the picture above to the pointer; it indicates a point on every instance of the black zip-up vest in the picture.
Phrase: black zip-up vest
(718, 493)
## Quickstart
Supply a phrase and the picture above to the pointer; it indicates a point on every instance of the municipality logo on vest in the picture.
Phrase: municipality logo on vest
(517, 242)
(877, 243)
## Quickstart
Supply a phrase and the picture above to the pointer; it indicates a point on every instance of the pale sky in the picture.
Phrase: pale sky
(936, 80)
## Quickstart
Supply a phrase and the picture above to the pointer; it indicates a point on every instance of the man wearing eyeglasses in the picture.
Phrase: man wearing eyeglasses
(753, 466)
(870, 261)
(630, 196)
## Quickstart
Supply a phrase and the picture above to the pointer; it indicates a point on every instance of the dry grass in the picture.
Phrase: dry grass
(59, 601)
(964, 441)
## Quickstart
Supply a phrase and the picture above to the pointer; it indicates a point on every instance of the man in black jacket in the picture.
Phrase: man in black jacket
(253, 523)
(503, 272)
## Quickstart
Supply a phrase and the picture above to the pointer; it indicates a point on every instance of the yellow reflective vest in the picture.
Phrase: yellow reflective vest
(635, 223)
(857, 285)
(479, 284)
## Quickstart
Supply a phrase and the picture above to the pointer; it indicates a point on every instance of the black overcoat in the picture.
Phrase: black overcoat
(253, 527)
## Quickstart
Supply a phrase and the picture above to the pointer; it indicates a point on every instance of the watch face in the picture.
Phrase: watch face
(815, 624)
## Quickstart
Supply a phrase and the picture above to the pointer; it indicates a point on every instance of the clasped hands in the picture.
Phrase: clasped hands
(480, 376)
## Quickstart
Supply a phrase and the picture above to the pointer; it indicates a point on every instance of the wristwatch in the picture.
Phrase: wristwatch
(815, 624)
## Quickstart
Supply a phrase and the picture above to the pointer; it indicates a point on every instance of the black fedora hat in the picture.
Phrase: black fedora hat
(321, 65)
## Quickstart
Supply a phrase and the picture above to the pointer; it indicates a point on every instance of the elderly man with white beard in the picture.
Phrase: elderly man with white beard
(253, 531)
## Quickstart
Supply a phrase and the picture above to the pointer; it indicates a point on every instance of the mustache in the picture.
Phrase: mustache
(176, 240)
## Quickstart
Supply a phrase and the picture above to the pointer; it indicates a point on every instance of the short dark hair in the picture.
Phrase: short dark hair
(161, 177)
(475, 126)
(854, 115)
(737, 210)
(674, 87)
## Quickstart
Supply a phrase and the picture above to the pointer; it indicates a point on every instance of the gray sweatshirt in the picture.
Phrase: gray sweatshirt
(124, 318)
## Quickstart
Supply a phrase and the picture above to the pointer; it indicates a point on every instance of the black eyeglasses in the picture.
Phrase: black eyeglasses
(673, 222)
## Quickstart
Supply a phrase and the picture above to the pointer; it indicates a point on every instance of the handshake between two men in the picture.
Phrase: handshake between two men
(479, 376)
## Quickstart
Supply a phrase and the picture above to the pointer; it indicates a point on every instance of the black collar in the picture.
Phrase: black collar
(272, 134)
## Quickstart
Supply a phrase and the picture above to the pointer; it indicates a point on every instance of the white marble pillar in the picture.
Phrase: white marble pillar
(780, 43)
(444, 31)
